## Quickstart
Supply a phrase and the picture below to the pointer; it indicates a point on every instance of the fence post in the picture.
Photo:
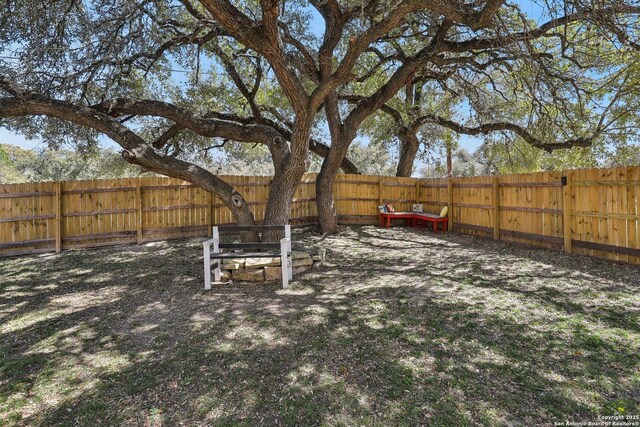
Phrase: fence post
(566, 212)
(380, 190)
(450, 202)
(496, 208)
(210, 211)
(139, 207)
(58, 217)
(418, 191)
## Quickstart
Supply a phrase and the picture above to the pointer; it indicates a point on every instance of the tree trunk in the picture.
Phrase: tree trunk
(281, 194)
(327, 215)
(408, 152)
(286, 179)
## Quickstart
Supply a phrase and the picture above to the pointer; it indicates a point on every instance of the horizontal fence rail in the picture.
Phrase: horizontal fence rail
(594, 212)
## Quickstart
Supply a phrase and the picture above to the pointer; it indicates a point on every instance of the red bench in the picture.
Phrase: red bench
(419, 218)
(415, 219)
(385, 218)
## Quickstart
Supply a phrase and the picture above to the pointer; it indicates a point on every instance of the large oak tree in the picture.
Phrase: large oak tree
(103, 66)
(100, 65)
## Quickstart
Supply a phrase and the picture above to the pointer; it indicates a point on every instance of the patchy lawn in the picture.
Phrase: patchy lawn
(403, 327)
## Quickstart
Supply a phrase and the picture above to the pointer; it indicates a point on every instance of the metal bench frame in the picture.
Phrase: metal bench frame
(282, 250)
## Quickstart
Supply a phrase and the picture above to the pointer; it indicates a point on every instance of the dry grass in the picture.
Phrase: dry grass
(402, 328)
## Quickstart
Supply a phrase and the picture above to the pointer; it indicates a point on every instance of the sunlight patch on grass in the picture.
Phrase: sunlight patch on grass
(29, 319)
(63, 379)
(223, 347)
(17, 294)
(12, 308)
(253, 337)
(296, 290)
(69, 340)
(492, 415)
(577, 393)
(155, 308)
(106, 361)
(489, 356)
(314, 315)
(144, 328)
(554, 377)
(11, 288)
(209, 408)
(49, 287)
(76, 301)
(423, 364)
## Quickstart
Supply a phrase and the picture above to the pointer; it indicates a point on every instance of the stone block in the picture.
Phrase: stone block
(239, 261)
(302, 262)
(233, 266)
(261, 262)
(253, 275)
(299, 255)
(272, 273)
(225, 276)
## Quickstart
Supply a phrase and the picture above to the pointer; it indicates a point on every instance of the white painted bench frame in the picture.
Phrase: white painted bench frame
(285, 258)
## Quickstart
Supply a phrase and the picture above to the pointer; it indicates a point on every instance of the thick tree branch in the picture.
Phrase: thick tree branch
(523, 133)
(315, 146)
(209, 127)
(136, 151)
(400, 78)
(482, 43)
(265, 40)
(168, 135)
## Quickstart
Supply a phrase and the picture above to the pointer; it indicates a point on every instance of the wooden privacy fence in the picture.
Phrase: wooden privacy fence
(591, 211)
(47, 216)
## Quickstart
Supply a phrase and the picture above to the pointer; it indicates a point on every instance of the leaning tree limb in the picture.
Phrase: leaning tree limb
(135, 148)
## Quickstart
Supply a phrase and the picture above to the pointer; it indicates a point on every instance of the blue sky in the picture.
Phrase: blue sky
(7, 137)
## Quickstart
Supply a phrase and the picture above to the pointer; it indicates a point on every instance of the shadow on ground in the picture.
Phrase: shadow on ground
(403, 327)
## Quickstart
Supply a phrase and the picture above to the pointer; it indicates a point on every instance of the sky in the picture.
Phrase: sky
(7, 137)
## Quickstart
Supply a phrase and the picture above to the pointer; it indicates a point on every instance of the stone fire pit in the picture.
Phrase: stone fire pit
(264, 269)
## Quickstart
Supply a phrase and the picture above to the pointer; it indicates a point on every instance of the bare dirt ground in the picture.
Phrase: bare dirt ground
(402, 327)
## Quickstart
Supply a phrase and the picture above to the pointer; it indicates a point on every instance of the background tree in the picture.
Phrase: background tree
(562, 83)
(504, 156)
(8, 173)
(372, 159)
(19, 165)
(399, 124)
(463, 163)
